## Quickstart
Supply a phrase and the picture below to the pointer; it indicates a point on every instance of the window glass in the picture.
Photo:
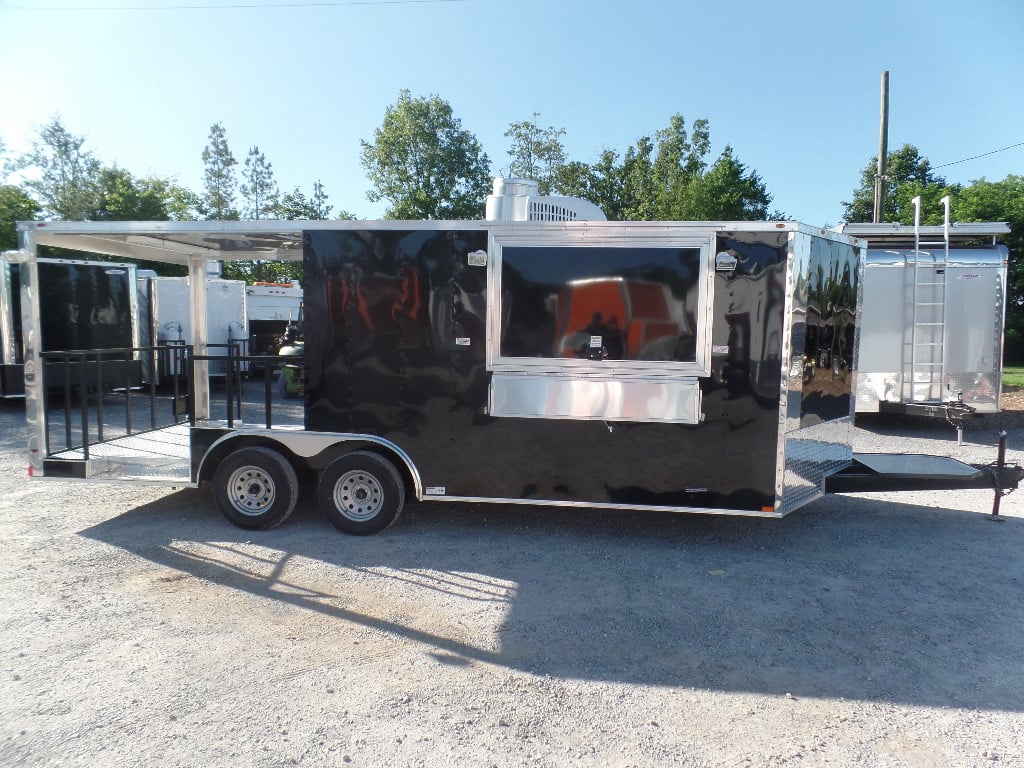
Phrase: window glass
(600, 303)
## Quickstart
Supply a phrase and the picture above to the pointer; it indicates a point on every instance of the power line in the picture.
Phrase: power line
(228, 6)
(983, 154)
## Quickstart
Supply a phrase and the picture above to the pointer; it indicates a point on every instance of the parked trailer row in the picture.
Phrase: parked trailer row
(653, 365)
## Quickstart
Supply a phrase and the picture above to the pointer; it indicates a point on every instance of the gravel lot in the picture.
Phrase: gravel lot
(139, 628)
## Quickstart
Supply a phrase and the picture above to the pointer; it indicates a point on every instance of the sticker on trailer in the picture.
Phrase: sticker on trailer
(434, 490)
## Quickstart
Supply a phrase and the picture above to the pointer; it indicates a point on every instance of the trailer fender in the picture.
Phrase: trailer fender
(313, 451)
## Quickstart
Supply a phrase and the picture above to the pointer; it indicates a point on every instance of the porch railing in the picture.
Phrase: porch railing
(98, 395)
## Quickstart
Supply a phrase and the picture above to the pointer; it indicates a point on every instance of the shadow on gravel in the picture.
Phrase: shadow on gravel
(851, 597)
(982, 430)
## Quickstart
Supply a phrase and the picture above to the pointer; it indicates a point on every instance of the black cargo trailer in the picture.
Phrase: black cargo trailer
(12, 380)
(83, 305)
(667, 366)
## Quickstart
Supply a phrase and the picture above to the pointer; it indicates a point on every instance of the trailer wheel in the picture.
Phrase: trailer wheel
(360, 493)
(256, 488)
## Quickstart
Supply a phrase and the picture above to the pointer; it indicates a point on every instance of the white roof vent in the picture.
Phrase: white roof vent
(519, 200)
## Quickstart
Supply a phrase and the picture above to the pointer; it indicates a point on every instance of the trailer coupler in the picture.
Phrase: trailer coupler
(956, 412)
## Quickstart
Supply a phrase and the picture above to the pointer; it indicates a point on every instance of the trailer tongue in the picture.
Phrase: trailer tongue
(887, 472)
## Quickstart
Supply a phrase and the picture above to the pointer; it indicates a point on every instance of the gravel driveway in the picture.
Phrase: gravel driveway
(139, 628)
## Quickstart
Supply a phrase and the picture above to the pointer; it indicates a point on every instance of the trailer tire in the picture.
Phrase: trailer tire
(256, 488)
(360, 493)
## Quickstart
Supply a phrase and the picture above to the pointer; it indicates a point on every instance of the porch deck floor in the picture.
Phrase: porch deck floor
(171, 443)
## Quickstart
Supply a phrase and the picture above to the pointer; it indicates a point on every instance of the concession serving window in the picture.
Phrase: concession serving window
(610, 325)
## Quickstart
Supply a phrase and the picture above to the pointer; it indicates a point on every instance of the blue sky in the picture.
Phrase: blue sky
(792, 86)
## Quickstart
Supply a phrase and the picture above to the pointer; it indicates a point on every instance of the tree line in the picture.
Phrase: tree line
(423, 164)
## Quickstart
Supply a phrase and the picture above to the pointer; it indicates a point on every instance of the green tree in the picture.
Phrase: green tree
(983, 200)
(321, 209)
(668, 177)
(639, 191)
(576, 179)
(261, 200)
(260, 189)
(680, 158)
(907, 175)
(59, 173)
(295, 205)
(219, 177)
(424, 164)
(122, 197)
(537, 153)
(728, 191)
(184, 205)
(15, 206)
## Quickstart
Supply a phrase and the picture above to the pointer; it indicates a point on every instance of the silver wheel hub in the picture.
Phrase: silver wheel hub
(251, 490)
(358, 495)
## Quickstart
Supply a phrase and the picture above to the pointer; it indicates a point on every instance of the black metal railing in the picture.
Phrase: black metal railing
(235, 365)
(95, 396)
(83, 382)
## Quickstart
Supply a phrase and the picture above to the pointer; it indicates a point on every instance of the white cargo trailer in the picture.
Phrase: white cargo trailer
(227, 326)
(270, 307)
(166, 317)
(931, 332)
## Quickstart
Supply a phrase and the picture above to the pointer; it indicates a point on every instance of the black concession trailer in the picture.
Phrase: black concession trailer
(661, 366)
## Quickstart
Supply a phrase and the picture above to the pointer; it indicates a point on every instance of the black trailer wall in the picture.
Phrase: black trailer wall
(384, 310)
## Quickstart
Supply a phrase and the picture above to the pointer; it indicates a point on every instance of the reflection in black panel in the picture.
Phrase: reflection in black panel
(748, 323)
(830, 332)
(393, 318)
(600, 303)
(85, 306)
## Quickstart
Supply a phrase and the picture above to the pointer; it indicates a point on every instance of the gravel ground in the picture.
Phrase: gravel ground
(139, 628)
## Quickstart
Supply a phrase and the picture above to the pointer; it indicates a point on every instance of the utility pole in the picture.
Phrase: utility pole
(883, 150)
